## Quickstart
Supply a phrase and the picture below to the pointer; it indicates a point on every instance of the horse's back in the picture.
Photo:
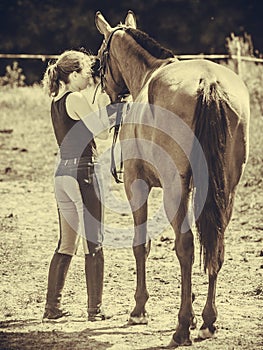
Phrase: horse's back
(176, 86)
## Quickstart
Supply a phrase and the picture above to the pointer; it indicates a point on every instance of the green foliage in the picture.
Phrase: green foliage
(13, 77)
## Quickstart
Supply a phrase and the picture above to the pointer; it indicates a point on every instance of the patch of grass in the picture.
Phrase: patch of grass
(28, 150)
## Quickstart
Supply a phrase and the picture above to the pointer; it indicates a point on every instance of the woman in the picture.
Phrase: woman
(77, 189)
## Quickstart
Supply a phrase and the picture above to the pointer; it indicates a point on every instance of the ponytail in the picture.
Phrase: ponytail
(51, 80)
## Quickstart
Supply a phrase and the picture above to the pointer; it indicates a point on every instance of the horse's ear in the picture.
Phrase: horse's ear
(130, 20)
(101, 23)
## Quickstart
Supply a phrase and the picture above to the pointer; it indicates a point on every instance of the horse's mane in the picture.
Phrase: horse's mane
(149, 44)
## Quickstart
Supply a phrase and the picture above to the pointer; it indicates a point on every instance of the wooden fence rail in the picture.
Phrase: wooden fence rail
(183, 57)
(237, 59)
(28, 56)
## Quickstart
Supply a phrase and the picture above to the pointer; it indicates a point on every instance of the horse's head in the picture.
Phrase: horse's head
(111, 76)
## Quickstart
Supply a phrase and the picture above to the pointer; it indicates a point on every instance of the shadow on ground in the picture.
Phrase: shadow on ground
(51, 339)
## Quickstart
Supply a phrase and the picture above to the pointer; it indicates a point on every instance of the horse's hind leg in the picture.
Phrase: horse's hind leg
(184, 247)
(235, 161)
(209, 313)
(137, 192)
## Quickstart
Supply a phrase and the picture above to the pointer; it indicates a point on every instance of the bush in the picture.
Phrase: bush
(251, 72)
(14, 76)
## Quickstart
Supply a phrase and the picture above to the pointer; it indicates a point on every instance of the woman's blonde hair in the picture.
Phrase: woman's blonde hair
(59, 71)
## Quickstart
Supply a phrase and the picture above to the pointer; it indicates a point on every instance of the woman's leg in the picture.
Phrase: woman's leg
(67, 246)
(56, 279)
(91, 221)
(94, 272)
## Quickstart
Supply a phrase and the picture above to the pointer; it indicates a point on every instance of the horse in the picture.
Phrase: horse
(186, 132)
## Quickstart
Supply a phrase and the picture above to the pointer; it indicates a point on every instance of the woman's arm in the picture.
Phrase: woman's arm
(97, 122)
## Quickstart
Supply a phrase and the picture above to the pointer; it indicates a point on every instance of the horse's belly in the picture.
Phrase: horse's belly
(159, 151)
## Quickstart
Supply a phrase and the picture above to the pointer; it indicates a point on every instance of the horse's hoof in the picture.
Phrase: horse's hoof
(136, 320)
(174, 344)
(181, 337)
(206, 333)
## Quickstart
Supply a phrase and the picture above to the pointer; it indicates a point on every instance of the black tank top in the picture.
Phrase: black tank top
(73, 137)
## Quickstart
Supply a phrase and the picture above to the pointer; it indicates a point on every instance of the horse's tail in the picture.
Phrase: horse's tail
(211, 128)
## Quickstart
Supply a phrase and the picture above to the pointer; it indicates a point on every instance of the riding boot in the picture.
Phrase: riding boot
(94, 271)
(58, 269)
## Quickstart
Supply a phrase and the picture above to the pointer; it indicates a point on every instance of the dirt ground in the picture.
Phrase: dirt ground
(29, 227)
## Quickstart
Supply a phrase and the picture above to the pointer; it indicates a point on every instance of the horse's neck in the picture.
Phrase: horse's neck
(135, 63)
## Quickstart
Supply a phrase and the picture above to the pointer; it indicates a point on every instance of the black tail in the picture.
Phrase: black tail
(211, 128)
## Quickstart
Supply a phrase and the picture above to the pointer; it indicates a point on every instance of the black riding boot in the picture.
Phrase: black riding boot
(94, 269)
(58, 269)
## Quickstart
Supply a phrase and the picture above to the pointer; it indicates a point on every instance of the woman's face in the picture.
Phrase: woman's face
(81, 79)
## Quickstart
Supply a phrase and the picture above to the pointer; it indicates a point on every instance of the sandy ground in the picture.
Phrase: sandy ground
(29, 226)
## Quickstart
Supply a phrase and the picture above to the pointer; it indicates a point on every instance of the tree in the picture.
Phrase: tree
(185, 26)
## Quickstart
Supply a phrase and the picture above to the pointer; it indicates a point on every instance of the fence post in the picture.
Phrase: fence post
(234, 49)
(239, 60)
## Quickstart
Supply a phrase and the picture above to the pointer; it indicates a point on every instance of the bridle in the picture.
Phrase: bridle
(104, 59)
(104, 65)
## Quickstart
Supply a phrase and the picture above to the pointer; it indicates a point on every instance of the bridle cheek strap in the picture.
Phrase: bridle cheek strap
(104, 63)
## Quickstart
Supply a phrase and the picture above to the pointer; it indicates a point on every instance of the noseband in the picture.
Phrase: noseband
(104, 65)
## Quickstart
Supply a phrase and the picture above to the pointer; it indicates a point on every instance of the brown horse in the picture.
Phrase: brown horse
(187, 132)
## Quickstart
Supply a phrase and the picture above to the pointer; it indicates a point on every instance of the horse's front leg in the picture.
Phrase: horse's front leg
(137, 192)
(139, 314)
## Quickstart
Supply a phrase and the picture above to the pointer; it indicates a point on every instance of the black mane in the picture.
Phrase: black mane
(149, 44)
